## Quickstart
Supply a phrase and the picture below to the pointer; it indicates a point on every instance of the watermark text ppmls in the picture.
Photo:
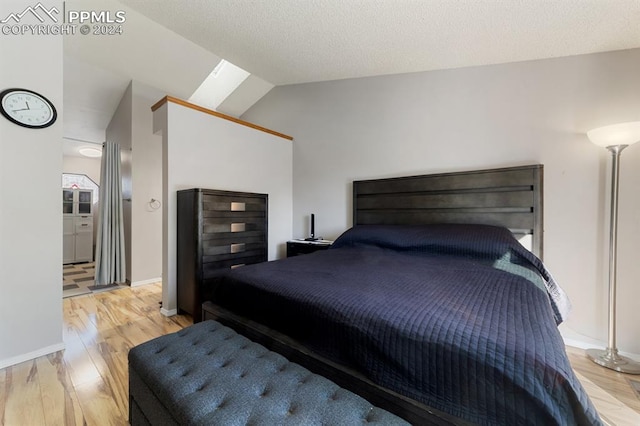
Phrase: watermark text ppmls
(39, 19)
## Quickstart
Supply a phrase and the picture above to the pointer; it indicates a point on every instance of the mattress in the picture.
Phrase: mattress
(459, 317)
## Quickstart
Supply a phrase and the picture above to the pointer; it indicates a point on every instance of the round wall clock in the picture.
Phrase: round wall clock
(27, 108)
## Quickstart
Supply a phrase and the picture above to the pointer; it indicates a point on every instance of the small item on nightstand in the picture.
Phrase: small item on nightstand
(313, 229)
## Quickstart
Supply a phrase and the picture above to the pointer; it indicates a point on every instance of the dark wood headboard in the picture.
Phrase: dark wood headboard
(510, 197)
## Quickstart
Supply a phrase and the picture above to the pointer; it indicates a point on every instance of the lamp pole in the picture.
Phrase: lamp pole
(609, 357)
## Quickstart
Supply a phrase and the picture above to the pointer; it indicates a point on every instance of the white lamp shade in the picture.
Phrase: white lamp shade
(616, 134)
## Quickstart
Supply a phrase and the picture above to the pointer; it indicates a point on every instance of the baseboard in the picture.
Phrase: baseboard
(31, 355)
(145, 282)
(594, 344)
(168, 312)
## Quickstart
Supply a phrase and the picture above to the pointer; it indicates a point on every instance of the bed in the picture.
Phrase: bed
(428, 307)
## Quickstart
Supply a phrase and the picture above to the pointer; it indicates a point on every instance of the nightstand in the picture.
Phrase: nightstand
(298, 247)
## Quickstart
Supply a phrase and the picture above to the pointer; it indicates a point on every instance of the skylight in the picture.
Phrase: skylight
(223, 80)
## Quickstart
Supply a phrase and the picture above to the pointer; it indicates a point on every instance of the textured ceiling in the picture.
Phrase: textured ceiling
(173, 45)
(295, 41)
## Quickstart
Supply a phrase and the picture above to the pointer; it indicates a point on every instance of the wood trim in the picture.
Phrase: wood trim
(217, 114)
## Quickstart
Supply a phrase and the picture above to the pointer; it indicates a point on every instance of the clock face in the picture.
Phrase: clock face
(27, 108)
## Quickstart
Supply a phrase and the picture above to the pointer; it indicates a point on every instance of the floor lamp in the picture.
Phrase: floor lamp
(615, 138)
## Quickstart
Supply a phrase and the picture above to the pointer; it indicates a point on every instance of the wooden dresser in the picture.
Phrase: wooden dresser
(217, 231)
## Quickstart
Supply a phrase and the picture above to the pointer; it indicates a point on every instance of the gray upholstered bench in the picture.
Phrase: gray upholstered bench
(207, 374)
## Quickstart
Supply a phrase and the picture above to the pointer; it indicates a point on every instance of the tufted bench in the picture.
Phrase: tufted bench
(207, 374)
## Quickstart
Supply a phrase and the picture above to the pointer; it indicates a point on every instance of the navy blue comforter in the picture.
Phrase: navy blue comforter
(461, 318)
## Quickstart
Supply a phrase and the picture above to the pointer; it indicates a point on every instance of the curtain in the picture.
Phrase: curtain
(110, 256)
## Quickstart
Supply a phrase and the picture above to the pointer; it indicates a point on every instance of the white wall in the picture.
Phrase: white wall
(30, 211)
(203, 151)
(132, 127)
(82, 165)
(146, 182)
(483, 117)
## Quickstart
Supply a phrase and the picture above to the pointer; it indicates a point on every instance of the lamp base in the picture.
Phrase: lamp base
(609, 358)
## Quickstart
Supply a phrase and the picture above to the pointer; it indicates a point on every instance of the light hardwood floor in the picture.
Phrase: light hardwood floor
(87, 383)
(610, 391)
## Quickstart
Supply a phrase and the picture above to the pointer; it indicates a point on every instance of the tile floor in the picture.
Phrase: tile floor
(79, 279)
(76, 278)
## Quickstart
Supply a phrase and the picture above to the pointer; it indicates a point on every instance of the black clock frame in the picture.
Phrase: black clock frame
(6, 115)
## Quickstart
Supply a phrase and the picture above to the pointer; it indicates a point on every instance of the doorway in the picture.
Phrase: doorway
(80, 197)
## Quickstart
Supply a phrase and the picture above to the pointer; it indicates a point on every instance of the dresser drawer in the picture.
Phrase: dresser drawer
(232, 225)
(212, 269)
(83, 225)
(234, 256)
(233, 248)
(225, 203)
(224, 238)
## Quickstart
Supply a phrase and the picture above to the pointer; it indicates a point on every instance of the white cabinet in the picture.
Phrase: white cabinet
(77, 227)
(77, 202)
(68, 240)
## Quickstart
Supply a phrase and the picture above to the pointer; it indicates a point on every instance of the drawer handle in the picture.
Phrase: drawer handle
(237, 266)
(237, 248)
(84, 224)
(238, 227)
(238, 207)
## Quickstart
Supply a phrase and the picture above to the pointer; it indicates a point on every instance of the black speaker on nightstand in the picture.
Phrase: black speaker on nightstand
(312, 237)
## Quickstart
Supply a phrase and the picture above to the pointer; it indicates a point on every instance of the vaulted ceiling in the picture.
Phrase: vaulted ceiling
(173, 45)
